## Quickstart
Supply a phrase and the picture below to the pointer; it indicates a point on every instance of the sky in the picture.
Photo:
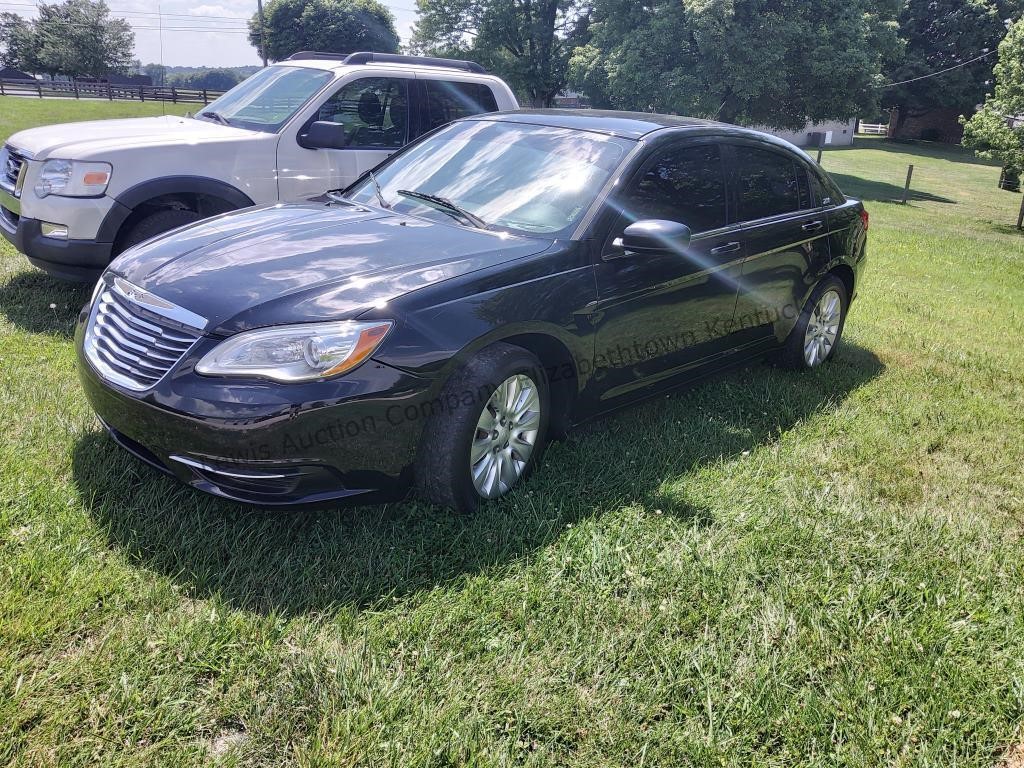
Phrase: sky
(195, 34)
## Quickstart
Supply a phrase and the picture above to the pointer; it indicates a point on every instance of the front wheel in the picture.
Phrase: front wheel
(816, 334)
(488, 432)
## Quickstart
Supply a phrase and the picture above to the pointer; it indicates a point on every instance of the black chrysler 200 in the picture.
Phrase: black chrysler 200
(494, 283)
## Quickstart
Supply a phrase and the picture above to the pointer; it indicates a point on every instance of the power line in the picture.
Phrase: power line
(940, 72)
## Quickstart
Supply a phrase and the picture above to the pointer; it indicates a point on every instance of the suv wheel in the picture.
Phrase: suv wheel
(156, 224)
(489, 432)
(814, 339)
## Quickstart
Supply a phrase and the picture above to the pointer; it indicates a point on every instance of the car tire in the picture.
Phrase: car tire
(474, 446)
(818, 331)
(156, 224)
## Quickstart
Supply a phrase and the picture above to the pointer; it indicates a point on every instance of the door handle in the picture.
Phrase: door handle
(813, 226)
(727, 248)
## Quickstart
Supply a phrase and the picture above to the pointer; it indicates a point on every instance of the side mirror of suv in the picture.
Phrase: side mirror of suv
(653, 236)
(323, 135)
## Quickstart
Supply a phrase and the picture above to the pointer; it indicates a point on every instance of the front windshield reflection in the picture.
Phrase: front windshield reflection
(526, 178)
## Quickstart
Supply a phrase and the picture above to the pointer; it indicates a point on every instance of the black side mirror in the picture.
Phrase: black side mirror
(323, 135)
(654, 236)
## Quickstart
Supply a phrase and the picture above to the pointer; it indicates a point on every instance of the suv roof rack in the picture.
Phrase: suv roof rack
(366, 57)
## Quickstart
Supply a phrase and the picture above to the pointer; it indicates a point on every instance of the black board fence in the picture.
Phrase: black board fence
(66, 89)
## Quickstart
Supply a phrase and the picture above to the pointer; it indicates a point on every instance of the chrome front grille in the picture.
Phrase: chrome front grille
(11, 170)
(130, 344)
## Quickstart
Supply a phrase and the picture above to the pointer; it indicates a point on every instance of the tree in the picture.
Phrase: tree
(157, 73)
(764, 62)
(78, 37)
(335, 26)
(209, 79)
(997, 130)
(940, 34)
(16, 42)
(527, 42)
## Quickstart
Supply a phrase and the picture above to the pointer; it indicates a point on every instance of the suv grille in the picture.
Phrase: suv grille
(130, 346)
(12, 168)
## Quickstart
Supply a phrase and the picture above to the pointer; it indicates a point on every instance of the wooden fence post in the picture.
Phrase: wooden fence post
(819, 155)
(2, 88)
(174, 94)
(76, 90)
(906, 188)
(142, 94)
(205, 100)
(1020, 218)
(39, 87)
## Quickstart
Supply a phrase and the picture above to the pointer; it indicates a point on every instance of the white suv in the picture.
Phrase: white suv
(73, 196)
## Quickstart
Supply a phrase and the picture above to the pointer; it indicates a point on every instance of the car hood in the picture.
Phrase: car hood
(307, 262)
(94, 139)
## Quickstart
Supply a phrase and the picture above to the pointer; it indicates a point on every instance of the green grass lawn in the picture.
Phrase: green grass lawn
(770, 569)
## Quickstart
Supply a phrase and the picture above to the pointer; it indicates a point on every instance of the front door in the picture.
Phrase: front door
(660, 315)
(374, 113)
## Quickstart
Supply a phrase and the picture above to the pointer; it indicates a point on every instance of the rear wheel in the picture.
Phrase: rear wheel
(156, 224)
(489, 431)
(817, 333)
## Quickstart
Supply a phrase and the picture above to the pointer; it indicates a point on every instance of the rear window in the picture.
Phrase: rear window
(448, 100)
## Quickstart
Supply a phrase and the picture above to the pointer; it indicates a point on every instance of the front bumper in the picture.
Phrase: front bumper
(349, 439)
(77, 261)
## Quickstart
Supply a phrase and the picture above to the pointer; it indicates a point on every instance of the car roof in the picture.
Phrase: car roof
(631, 125)
(335, 65)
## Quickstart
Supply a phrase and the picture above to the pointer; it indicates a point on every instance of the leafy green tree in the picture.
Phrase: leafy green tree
(211, 79)
(774, 63)
(527, 42)
(16, 41)
(997, 130)
(157, 73)
(79, 37)
(334, 26)
(940, 34)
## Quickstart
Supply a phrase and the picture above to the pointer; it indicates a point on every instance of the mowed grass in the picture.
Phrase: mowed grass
(768, 569)
(18, 113)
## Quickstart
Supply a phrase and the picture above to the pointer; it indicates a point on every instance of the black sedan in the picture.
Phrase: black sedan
(435, 324)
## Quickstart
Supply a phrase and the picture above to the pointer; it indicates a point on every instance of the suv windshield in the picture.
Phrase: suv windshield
(268, 99)
(530, 179)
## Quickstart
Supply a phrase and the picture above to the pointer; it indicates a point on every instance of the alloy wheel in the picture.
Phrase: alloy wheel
(822, 328)
(505, 437)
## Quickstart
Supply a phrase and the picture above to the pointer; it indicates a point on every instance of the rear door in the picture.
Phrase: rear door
(785, 235)
(445, 97)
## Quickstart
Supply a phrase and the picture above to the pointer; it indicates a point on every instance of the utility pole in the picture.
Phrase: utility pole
(263, 34)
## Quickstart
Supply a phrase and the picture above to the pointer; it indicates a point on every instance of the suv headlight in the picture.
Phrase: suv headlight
(295, 353)
(72, 178)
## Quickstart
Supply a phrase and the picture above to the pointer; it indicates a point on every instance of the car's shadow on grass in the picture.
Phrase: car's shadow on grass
(297, 562)
(869, 190)
(37, 303)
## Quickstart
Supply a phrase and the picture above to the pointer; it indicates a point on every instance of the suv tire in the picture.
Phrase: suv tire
(156, 224)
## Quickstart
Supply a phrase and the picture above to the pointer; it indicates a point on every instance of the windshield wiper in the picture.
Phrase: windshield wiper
(380, 192)
(446, 205)
(216, 116)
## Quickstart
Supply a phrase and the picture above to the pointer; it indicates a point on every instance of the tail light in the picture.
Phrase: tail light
(865, 219)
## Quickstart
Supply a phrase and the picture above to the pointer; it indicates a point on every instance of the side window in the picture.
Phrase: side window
(823, 189)
(768, 183)
(684, 184)
(374, 111)
(447, 100)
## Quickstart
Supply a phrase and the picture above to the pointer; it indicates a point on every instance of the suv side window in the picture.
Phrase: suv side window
(768, 183)
(684, 184)
(374, 111)
(448, 100)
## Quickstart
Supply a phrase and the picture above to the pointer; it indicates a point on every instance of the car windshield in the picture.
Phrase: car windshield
(529, 179)
(267, 100)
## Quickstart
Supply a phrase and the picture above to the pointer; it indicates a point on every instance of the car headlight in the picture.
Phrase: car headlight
(72, 178)
(295, 353)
